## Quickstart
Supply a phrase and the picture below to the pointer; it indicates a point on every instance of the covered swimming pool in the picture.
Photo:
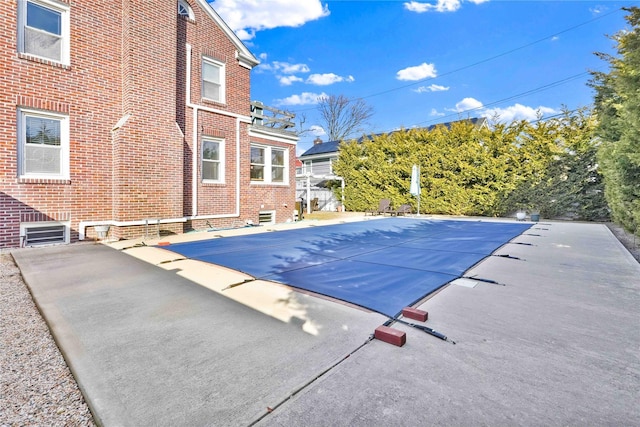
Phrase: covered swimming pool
(382, 265)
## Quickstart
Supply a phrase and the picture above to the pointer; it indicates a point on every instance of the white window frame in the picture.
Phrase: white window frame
(42, 224)
(65, 35)
(23, 113)
(221, 162)
(222, 67)
(188, 9)
(268, 179)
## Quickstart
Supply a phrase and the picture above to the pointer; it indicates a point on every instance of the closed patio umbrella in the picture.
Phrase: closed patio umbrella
(415, 184)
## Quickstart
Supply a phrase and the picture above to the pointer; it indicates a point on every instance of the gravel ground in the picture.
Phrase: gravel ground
(37, 388)
(631, 242)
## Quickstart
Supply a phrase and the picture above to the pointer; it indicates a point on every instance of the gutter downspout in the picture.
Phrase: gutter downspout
(82, 225)
(194, 136)
(239, 118)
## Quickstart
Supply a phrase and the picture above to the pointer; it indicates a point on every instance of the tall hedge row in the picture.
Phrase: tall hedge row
(617, 103)
(547, 166)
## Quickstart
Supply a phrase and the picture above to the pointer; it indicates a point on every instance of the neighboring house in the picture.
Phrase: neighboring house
(315, 171)
(134, 114)
(317, 167)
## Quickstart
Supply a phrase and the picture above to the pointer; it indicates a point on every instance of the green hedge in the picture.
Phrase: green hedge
(547, 166)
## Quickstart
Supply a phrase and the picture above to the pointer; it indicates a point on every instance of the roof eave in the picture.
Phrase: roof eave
(243, 54)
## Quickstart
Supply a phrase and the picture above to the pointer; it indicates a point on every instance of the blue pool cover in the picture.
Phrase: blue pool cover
(383, 265)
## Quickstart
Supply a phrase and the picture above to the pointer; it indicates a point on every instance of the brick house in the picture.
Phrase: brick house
(131, 114)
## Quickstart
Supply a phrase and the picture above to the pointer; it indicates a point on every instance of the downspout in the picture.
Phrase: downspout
(239, 118)
(238, 165)
(82, 225)
(194, 136)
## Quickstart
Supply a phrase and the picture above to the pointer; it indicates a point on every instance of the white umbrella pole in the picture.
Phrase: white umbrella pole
(415, 184)
(309, 194)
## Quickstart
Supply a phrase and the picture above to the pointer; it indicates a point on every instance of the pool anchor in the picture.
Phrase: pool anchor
(422, 328)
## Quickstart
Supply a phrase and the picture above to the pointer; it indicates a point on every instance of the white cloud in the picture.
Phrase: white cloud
(327, 79)
(503, 115)
(418, 72)
(431, 88)
(245, 34)
(439, 6)
(289, 80)
(245, 17)
(435, 113)
(468, 104)
(305, 98)
(284, 71)
(317, 130)
(286, 68)
(517, 112)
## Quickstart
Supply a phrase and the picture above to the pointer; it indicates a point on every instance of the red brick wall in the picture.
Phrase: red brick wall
(149, 147)
(256, 197)
(220, 199)
(89, 91)
(128, 57)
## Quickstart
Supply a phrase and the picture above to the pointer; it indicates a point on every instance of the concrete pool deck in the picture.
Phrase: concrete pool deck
(153, 340)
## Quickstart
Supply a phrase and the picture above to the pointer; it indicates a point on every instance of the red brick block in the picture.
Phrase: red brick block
(390, 335)
(415, 314)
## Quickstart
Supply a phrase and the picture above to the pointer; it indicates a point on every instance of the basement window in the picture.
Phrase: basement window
(266, 217)
(44, 233)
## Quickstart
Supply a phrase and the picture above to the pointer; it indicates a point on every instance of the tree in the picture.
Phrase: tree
(617, 104)
(343, 117)
(557, 169)
(549, 166)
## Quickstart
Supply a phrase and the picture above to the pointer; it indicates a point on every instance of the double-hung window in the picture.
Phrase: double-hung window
(43, 29)
(269, 165)
(212, 160)
(213, 77)
(43, 145)
(278, 165)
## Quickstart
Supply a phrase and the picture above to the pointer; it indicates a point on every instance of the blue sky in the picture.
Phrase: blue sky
(418, 63)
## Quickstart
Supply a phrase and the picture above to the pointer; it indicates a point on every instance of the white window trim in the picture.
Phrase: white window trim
(223, 78)
(267, 165)
(66, 34)
(66, 224)
(188, 7)
(221, 170)
(64, 143)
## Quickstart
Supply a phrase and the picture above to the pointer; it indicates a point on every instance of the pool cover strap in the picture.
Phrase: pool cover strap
(382, 265)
